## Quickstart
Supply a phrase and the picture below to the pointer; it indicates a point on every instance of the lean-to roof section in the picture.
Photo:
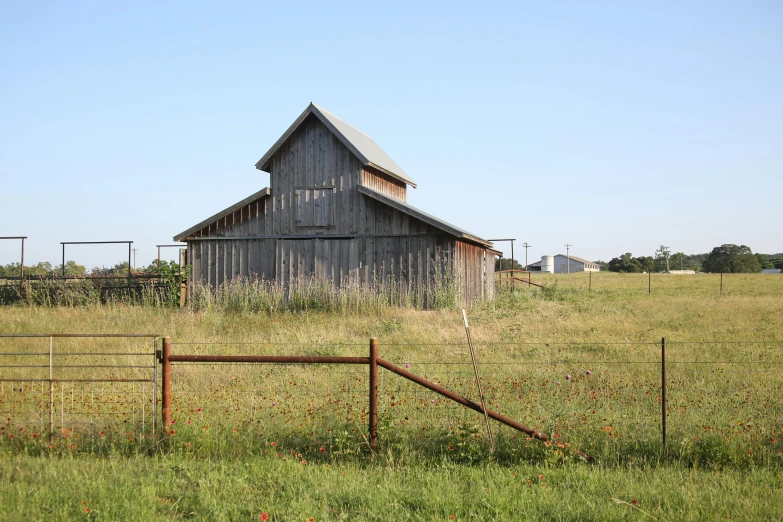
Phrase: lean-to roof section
(264, 192)
(427, 218)
(360, 144)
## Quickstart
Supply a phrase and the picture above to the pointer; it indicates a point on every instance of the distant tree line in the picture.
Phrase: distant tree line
(72, 269)
(728, 258)
(504, 263)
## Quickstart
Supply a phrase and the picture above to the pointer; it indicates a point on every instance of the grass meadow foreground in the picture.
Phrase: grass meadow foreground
(288, 442)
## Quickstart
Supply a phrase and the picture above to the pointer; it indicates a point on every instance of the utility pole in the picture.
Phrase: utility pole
(568, 257)
(134, 259)
(526, 245)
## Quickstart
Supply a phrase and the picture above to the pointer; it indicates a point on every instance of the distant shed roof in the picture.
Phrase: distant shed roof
(572, 258)
(360, 144)
(427, 218)
(579, 259)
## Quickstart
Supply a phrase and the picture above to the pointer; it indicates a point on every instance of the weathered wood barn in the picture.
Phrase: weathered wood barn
(336, 209)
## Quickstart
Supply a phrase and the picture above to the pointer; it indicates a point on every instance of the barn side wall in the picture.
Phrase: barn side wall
(475, 268)
(390, 246)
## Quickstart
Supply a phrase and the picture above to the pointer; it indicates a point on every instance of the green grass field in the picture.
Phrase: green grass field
(289, 441)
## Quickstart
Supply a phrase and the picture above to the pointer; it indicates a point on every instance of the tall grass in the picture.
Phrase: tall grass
(314, 294)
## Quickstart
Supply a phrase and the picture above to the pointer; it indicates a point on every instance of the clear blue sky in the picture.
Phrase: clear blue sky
(613, 127)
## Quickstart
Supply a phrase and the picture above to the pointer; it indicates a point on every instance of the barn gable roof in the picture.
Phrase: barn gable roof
(261, 194)
(423, 216)
(360, 144)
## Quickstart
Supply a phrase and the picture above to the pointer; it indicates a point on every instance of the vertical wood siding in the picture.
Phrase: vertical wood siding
(383, 183)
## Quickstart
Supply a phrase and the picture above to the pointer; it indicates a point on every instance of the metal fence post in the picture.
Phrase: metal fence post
(663, 390)
(166, 385)
(156, 360)
(51, 393)
(374, 394)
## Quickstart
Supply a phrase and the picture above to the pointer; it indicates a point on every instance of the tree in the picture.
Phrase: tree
(677, 260)
(765, 262)
(71, 269)
(120, 269)
(647, 263)
(625, 263)
(628, 263)
(505, 264)
(730, 258)
(662, 259)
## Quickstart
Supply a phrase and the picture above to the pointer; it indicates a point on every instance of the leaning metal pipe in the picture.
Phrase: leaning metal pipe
(462, 400)
(470, 404)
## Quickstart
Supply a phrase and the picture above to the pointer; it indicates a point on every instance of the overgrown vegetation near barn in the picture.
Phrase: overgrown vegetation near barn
(724, 457)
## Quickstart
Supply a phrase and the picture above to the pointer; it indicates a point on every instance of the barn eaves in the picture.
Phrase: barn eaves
(264, 192)
(427, 218)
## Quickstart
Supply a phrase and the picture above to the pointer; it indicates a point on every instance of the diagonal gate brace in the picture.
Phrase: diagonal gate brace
(472, 405)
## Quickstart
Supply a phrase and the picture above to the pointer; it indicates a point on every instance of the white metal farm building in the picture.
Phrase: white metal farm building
(561, 264)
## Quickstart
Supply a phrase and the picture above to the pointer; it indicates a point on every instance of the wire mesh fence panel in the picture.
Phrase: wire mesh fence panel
(724, 400)
(604, 398)
(71, 389)
(249, 407)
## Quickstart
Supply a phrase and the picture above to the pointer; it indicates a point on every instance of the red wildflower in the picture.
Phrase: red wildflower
(264, 516)
(273, 443)
(322, 449)
(634, 502)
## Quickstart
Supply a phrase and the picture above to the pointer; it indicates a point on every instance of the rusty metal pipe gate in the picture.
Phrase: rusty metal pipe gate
(373, 361)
